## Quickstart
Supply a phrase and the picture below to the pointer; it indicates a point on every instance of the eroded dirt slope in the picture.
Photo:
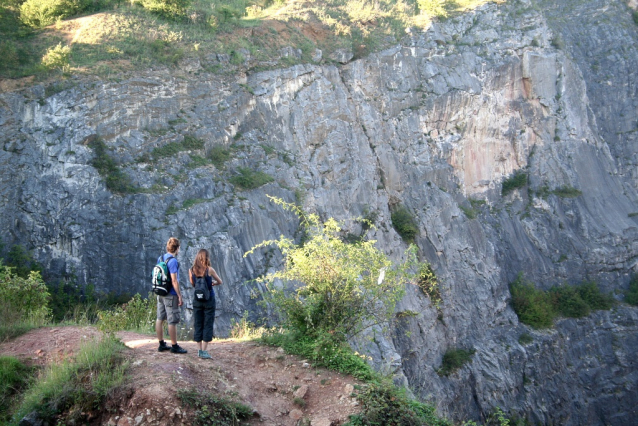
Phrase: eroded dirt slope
(262, 377)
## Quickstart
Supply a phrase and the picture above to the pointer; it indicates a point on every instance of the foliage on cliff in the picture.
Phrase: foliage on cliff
(143, 32)
(538, 308)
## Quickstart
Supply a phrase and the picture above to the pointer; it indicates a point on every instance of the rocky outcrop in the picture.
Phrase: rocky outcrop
(435, 124)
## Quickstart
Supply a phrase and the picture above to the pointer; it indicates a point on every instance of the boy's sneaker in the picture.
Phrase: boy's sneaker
(205, 355)
(163, 347)
(177, 349)
(199, 352)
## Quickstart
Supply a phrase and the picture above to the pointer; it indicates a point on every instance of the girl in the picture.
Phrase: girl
(204, 311)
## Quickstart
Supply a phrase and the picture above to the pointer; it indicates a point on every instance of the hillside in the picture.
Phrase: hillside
(265, 379)
(501, 138)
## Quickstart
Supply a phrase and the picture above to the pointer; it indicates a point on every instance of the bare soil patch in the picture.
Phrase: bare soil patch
(265, 378)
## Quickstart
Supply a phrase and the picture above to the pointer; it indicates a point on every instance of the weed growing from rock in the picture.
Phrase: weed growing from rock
(517, 180)
(404, 223)
(454, 359)
(538, 308)
(631, 296)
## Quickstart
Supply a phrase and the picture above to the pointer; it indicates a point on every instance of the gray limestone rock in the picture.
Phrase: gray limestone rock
(436, 123)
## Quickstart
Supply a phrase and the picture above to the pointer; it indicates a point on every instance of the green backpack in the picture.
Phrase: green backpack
(161, 277)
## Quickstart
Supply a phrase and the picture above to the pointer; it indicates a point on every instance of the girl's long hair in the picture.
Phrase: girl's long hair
(201, 263)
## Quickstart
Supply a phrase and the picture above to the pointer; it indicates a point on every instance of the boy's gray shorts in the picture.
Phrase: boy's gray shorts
(167, 308)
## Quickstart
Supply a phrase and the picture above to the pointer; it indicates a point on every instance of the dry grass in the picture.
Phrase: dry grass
(129, 37)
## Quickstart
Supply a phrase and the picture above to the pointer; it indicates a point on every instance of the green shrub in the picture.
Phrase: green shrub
(116, 180)
(21, 261)
(631, 296)
(40, 13)
(342, 288)
(383, 404)
(211, 409)
(538, 308)
(218, 155)
(76, 386)
(428, 283)
(14, 376)
(250, 179)
(454, 359)
(590, 293)
(403, 222)
(532, 306)
(634, 15)
(517, 180)
(136, 315)
(57, 57)
(23, 301)
(567, 192)
(568, 302)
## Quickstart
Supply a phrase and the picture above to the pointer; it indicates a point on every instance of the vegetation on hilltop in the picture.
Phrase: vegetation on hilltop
(107, 36)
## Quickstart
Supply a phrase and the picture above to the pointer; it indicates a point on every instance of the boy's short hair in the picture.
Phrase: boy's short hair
(172, 245)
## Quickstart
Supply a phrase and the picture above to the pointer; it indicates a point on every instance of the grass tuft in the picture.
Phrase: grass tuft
(76, 386)
(454, 359)
(517, 180)
(250, 179)
(404, 223)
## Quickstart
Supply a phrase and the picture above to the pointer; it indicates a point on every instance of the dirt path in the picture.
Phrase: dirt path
(262, 377)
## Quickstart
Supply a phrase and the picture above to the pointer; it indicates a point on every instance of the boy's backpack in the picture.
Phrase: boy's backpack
(202, 292)
(161, 277)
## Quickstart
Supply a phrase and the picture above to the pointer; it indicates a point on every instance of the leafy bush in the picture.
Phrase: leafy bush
(590, 293)
(568, 302)
(76, 385)
(57, 57)
(14, 376)
(40, 13)
(21, 261)
(517, 180)
(427, 281)
(384, 404)
(631, 296)
(23, 301)
(343, 287)
(136, 315)
(211, 409)
(454, 359)
(403, 222)
(538, 308)
(250, 179)
(634, 15)
(532, 306)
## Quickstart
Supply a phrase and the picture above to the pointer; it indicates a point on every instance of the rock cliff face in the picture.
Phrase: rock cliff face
(435, 124)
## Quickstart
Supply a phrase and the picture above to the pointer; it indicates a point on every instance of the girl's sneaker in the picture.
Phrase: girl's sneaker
(205, 355)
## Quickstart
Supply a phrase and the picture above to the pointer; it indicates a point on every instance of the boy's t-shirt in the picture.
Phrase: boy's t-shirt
(173, 268)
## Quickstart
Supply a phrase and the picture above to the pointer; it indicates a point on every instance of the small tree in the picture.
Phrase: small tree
(343, 287)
